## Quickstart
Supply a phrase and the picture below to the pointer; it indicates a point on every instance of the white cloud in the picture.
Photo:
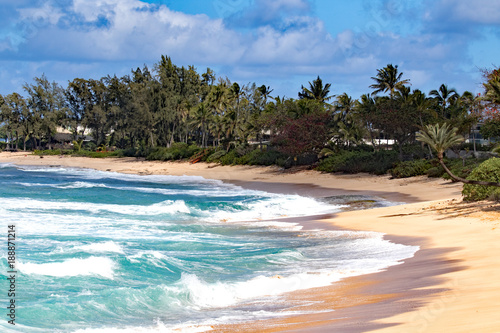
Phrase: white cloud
(477, 11)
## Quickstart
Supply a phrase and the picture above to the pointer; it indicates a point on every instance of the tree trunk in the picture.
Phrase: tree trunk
(465, 181)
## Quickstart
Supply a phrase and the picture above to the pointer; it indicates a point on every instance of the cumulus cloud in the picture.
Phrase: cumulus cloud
(258, 39)
(264, 13)
(478, 11)
(131, 29)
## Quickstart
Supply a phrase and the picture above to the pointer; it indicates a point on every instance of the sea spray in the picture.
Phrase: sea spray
(108, 252)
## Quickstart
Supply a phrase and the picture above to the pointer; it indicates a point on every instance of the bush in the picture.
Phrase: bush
(353, 162)
(177, 151)
(410, 168)
(49, 152)
(414, 151)
(96, 154)
(230, 158)
(89, 146)
(216, 156)
(458, 168)
(488, 171)
(128, 152)
(265, 157)
(435, 172)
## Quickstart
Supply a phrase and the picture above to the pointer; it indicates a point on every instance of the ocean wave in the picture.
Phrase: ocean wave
(97, 174)
(157, 259)
(164, 207)
(272, 207)
(72, 267)
(160, 327)
(108, 246)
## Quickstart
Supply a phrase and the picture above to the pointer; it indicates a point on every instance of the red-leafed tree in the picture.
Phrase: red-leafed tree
(491, 115)
(304, 134)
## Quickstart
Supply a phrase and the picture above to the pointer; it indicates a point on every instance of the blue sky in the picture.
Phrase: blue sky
(280, 43)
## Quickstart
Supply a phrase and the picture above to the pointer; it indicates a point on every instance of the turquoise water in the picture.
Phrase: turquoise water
(108, 252)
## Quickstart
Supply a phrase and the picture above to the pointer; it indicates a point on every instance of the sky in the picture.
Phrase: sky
(283, 44)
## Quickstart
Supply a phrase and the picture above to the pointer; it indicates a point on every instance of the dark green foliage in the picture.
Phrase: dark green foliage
(353, 162)
(177, 151)
(410, 168)
(435, 172)
(128, 152)
(89, 146)
(214, 157)
(96, 154)
(414, 151)
(266, 157)
(230, 158)
(461, 169)
(489, 171)
(254, 157)
(52, 152)
(456, 166)
(81, 153)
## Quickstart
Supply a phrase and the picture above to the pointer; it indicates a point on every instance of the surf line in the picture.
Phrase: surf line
(11, 262)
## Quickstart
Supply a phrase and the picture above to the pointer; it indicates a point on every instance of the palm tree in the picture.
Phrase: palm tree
(200, 118)
(492, 87)
(388, 79)
(265, 92)
(316, 91)
(364, 108)
(444, 97)
(440, 138)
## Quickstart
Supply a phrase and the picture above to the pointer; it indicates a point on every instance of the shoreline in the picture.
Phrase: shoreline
(443, 287)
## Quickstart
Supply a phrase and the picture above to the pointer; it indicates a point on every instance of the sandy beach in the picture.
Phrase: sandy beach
(452, 284)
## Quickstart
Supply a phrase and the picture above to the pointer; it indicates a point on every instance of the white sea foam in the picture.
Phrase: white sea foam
(155, 258)
(366, 253)
(71, 185)
(274, 206)
(159, 328)
(164, 207)
(72, 267)
(108, 246)
(96, 174)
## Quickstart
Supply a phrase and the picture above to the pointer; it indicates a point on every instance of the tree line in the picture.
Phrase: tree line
(171, 104)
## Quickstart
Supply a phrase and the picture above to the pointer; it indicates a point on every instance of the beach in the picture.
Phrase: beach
(452, 284)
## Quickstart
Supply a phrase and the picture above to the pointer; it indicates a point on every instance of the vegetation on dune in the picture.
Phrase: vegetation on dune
(488, 171)
(171, 113)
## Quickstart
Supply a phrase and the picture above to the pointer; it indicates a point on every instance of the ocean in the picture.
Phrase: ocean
(108, 252)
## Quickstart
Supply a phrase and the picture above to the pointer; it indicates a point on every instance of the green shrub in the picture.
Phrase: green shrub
(177, 151)
(128, 152)
(89, 146)
(378, 162)
(48, 152)
(230, 158)
(214, 157)
(458, 168)
(96, 154)
(265, 157)
(435, 172)
(488, 171)
(410, 168)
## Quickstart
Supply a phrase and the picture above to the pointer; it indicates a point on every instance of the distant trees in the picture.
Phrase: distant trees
(316, 91)
(442, 137)
(388, 79)
(170, 104)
